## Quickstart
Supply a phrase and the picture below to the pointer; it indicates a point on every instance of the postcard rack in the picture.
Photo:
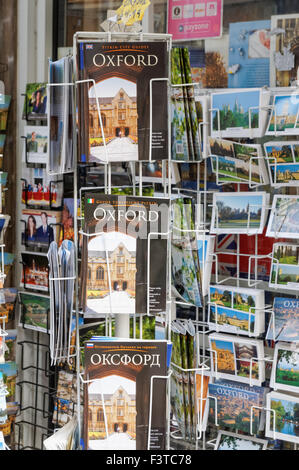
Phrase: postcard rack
(203, 200)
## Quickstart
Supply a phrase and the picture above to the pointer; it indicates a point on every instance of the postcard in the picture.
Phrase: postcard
(234, 405)
(202, 381)
(238, 113)
(285, 175)
(285, 266)
(4, 221)
(39, 189)
(40, 227)
(237, 359)
(4, 108)
(2, 143)
(10, 371)
(236, 310)
(284, 115)
(285, 370)
(35, 273)
(230, 320)
(7, 306)
(249, 54)
(237, 162)
(231, 441)
(2, 442)
(216, 63)
(282, 152)
(284, 323)
(284, 423)
(10, 343)
(36, 144)
(68, 219)
(284, 56)
(35, 104)
(35, 310)
(239, 213)
(284, 217)
(205, 248)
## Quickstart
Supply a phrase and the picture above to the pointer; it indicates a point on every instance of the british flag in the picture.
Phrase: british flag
(226, 244)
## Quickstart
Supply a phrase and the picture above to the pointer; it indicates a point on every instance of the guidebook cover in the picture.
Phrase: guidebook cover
(284, 323)
(119, 248)
(122, 73)
(117, 398)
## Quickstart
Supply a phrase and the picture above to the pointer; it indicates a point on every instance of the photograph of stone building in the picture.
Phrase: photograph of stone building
(121, 252)
(117, 99)
(114, 424)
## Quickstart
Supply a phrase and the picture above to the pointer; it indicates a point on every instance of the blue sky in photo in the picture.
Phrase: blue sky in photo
(219, 289)
(4, 101)
(245, 99)
(287, 103)
(293, 364)
(227, 346)
(288, 405)
(231, 313)
(111, 86)
(241, 202)
(288, 268)
(270, 148)
(287, 166)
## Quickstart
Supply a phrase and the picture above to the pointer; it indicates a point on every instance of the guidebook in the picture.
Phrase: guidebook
(115, 110)
(119, 393)
(126, 241)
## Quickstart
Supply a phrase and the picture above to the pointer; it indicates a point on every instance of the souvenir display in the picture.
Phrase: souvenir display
(157, 232)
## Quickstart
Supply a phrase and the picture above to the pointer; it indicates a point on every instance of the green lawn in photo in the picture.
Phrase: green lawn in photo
(280, 127)
(243, 307)
(287, 377)
(239, 223)
(283, 278)
(288, 260)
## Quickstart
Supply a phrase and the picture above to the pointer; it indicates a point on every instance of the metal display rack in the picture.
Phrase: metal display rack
(202, 223)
